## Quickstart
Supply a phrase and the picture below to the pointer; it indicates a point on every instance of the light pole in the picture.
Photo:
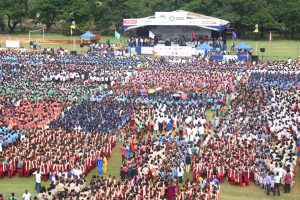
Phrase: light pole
(73, 26)
(298, 48)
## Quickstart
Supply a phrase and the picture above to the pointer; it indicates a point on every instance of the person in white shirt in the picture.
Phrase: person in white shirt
(26, 195)
(201, 132)
(188, 133)
(22, 137)
(38, 179)
(180, 173)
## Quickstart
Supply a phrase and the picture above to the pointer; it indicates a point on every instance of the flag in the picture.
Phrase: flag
(256, 29)
(117, 35)
(270, 36)
(233, 36)
(72, 27)
(151, 35)
(193, 36)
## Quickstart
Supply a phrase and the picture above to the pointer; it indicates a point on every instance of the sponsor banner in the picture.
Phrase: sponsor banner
(230, 57)
(147, 50)
(171, 16)
(12, 44)
(166, 22)
(174, 51)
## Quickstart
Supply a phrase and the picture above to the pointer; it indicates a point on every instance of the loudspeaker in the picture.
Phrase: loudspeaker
(74, 53)
(262, 50)
(254, 59)
(81, 45)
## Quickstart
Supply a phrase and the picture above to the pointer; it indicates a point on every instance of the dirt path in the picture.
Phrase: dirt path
(44, 41)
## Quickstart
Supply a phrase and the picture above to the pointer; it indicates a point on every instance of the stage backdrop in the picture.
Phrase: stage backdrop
(166, 32)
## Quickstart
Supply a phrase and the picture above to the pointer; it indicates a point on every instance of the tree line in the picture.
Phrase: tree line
(276, 15)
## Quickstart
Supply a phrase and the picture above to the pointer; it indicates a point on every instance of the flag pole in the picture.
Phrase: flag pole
(256, 47)
(74, 43)
(231, 45)
(71, 31)
(256, 31)
(270, 40)
(297, 48)
(269, 51)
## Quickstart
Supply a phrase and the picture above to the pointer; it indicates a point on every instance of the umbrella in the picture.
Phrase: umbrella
(158, 89)
(184, 96)
(151, 91)
(176, 95)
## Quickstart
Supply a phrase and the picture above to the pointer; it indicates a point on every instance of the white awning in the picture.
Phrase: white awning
(176, 18)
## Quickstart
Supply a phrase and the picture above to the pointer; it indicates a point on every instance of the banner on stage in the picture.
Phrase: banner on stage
(167, 22)
(230, 57)
(183, 51)
(171, 16)
(147, 50)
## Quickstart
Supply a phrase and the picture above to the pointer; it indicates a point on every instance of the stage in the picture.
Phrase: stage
(177, 33)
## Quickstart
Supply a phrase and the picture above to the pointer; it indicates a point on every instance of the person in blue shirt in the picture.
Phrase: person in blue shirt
(169, 127)
(203, 184)
(180, 129)
(268, 183)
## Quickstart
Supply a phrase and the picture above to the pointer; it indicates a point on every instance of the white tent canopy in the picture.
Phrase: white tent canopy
(177, 18)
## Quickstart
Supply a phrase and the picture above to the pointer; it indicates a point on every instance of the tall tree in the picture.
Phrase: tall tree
(15, 11)
(80, 12)
(48, 12)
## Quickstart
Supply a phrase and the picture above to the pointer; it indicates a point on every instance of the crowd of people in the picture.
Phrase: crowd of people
(61, 116)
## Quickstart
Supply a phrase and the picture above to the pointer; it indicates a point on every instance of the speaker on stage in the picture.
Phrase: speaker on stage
(254, 59)
(262, 50)
(74, 53)
(167, 43)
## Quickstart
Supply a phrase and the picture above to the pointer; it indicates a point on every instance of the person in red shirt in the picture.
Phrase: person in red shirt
(287, 181)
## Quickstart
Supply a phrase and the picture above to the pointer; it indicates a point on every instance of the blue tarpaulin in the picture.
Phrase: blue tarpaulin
(205, 47)
(88, 34)
(243, 46)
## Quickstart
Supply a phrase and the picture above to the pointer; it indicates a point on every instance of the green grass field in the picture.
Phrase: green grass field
(53, 36)
(276, 50)
(228, 192)
(19, 184)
